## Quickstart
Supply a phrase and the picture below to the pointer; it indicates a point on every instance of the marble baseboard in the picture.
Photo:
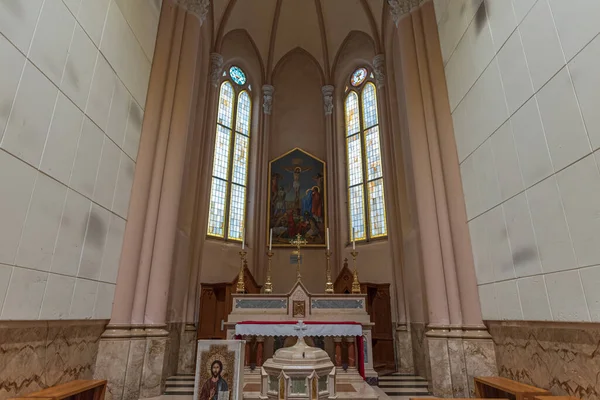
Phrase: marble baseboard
(175, 330)
(155, 365)
(187, 352)
(441, 373)
(561, 357)
(419, 347)
(38, 354)
(404, 352)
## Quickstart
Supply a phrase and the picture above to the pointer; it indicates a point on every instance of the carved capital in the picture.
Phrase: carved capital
(379, 70)
(199, 8)
(216, 68)
(400, 7)
(327, 91)
(268, 91)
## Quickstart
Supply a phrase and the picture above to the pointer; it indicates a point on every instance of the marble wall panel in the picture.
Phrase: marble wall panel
(38, 354)
(561, 357)
(187, 352)
(419, 349)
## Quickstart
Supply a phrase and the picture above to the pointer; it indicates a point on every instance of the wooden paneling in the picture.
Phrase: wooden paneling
(216, 304)
(380, 310)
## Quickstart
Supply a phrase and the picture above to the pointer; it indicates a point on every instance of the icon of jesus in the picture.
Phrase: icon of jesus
(215, 388)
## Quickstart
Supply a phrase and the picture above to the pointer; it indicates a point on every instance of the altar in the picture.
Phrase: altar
(338, 323)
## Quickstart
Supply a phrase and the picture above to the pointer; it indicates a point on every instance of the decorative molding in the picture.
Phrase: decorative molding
(199, 8)
(327, 91)
(216, 68)
(268, 91)
(336, 303)
(378, 70)
(400, 7)
(261, 303)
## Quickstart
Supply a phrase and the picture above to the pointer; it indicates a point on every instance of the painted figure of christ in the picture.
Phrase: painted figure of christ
(215, 385)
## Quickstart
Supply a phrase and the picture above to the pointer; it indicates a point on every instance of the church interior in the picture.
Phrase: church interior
(303, 199)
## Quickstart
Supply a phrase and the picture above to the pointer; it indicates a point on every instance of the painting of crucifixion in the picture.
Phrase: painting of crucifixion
(297, 198)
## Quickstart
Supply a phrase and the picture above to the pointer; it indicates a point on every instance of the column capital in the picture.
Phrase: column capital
(327, 91)
(199, 8)
(268, 91)
(379, 70)
(216, 68)
(400, 7)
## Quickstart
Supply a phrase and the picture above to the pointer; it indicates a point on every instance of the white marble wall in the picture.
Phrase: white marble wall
(524, 90)
(72, 93)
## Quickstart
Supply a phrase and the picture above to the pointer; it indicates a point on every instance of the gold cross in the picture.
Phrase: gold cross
(298, 241)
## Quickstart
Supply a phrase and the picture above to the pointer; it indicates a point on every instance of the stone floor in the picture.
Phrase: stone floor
(394, 386)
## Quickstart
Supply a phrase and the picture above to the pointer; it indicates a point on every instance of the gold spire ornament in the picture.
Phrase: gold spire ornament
(298, 241)
(268, 285)
(241, 286)
(328, 284)
(355, 282)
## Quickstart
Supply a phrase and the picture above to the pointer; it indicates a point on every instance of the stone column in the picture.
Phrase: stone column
(465, 265)
(262, 190)
(338, 351)
(332, 198)
(155, 316)
(351, 352)
(438, 177)
(423, 180)
(247, 352)
(260, 342)
(121, 349)
(477, 346)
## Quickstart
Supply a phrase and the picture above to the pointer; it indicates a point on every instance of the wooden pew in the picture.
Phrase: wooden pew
(496, 387)
(77, 390)
(555, 398)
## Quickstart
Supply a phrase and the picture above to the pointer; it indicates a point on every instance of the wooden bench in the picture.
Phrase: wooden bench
(555, 398)
(76, 390)
(497, 387)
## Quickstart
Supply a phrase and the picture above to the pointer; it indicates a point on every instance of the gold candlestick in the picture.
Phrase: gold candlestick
(241, 287)
(328, 284)
(298, 241)
(268, 284)
(355, 282)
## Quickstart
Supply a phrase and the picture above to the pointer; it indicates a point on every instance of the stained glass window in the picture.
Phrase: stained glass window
(366, 205)
(237, 75)
(358, 77)
(227, 210)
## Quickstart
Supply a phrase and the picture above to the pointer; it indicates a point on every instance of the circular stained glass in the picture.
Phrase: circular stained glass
(358, 76)
(237, 75)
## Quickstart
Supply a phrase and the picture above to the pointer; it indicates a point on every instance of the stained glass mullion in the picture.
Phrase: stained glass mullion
(376, 208)
(230, 169)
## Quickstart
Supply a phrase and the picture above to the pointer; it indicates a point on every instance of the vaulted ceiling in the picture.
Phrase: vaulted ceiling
(317, 26)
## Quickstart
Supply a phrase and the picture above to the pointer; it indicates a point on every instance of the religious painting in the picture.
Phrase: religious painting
(219, 369)
(297, 199)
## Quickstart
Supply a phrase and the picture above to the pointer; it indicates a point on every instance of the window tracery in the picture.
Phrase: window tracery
(227, 209)
(366, 204)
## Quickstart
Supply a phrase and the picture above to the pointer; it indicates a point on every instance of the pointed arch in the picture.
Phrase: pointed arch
(300, 51)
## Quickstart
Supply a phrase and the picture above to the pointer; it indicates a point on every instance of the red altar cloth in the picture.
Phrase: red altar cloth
(359, 339)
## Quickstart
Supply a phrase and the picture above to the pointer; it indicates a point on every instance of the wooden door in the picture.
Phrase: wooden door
(380, 310)
(216, 303)
(381, 315)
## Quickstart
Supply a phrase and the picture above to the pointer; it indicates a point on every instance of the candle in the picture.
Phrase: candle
(271, 239)
(353, 239)
(327, 237)
(243, 238)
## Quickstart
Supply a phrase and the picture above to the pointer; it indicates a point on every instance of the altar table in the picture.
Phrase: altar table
(310, 329)
(341, 317)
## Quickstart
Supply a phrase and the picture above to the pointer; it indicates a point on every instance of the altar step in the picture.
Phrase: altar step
(403, 386)
(179, 385)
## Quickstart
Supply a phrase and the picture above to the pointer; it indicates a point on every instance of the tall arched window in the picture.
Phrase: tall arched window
(227, 212)
(366, 204)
